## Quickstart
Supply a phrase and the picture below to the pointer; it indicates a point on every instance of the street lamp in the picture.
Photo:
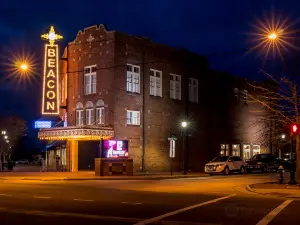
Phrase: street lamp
(24, 67)
(7, 141)
(184, 126)
(5, 137)
(283, 136)
(272, 36)
(3, 132)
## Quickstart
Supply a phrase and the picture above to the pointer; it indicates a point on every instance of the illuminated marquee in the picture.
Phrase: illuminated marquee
(50, 101)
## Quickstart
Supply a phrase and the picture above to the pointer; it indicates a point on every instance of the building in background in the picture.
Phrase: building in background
(124, 87)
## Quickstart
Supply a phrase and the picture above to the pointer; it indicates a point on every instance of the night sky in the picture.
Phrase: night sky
(202, 26)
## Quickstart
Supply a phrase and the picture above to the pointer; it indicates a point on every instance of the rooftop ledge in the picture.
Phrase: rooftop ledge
(76, 133)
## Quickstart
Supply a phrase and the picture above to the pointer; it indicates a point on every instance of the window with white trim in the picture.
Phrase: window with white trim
(133, 78)
(193, 90)
(89, 113)
(100, 115)
(175, 86)
(133, 117)
(79, 114)
(155, 82)
(90, 74)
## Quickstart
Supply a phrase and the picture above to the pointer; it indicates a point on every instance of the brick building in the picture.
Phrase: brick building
(142, 91)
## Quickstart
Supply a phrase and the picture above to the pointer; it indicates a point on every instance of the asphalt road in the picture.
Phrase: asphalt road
(195, 201)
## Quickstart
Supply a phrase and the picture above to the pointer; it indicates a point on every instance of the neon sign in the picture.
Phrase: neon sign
(42, 124)
(50, 101)
(115, 149)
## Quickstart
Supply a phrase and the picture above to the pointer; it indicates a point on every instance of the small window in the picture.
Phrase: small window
(133, 117)
(155, 82)
(133, 79)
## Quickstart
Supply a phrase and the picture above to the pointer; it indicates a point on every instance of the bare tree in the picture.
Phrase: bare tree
(13, 127)
(279, 99)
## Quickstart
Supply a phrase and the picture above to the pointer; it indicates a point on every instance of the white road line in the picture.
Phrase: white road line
(133, 203)
(267, 219)
(83, 200)
(5, 195)
(42, 197)
(182, 210)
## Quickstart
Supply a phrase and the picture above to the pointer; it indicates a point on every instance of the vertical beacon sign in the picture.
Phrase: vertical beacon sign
(50, 101)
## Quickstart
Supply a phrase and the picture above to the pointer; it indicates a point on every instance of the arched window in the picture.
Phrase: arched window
(89, 112)
(79, 114)
(100, 114)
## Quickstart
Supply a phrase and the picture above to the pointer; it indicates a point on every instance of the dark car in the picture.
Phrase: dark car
(263, 162)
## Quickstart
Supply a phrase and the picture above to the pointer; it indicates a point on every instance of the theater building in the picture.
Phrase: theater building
(123, 87)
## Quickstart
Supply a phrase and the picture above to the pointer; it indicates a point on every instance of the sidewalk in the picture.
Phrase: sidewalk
(276, 189)
(68, 176)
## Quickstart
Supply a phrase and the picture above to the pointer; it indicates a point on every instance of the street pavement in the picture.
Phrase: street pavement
(195, 201)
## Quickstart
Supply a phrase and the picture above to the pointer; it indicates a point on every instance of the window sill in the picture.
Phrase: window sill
(133, 125)
(155, 96)
(133, 93)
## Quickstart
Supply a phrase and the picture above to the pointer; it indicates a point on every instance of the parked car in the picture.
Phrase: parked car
(225, 165)
(263, 163)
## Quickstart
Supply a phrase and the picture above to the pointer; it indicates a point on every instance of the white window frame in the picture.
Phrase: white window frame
(133, 117)
(175, 86)
(89, 114)
(79, 117)
(100, 115)
(155, 82)
(193, 90)
(90, 79)
(133, 78)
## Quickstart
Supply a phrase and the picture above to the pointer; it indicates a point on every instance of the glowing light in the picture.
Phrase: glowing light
(283, 136)
(5, 137)
(20, 67)
(51, 36)
(272, 35)
(184, 124)
(50, 98)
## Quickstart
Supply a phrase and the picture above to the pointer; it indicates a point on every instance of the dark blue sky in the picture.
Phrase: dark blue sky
(202, 26)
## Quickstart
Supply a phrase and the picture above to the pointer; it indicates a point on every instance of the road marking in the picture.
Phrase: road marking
(133, 203)
(83, 200)
(267, 219)
(42, 197)
(182, 210)
(5, 195)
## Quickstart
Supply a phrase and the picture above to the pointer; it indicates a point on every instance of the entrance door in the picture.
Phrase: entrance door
(87, 152)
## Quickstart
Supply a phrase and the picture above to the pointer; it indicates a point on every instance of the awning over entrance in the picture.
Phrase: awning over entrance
(76, 133)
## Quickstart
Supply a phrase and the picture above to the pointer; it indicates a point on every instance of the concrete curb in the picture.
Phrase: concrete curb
(106, 178)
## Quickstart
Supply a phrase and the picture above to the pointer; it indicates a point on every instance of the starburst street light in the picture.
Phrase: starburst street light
(272, 35)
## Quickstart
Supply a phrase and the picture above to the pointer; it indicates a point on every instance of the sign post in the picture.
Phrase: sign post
(172, 151)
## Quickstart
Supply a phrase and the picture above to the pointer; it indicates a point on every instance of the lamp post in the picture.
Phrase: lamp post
(184, 126)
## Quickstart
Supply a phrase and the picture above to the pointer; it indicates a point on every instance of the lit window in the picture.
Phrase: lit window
(90, 73)
(155, 82)
(79, 114)
(175, 86)
(133, 117)
(246, 152)
(193, 90)
(236, 150)
(224, 150)
(133, 78)
(256, 149)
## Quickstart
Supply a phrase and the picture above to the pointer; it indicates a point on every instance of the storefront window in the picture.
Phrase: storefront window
(256, 149)
(246, 152)
(224, 150)
(236, 150)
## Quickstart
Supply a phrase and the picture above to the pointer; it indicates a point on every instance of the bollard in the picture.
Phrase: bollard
(280, 174)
